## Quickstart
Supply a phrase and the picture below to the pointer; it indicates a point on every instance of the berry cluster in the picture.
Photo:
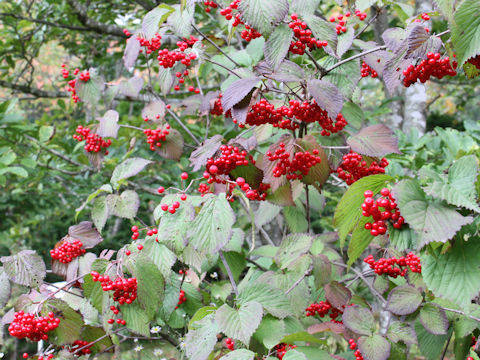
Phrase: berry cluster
(367, 71)
(155, 137)
(353, 167)
(77, 344)
(249, 33)
(432, 66)
(230, 344)
(26, 325)
(475, 61)
(68, 251)
(125, 290)
(94, 142)
(304, 37)
(353, 346)
(168, 59)
(322, 309)
(135, 233)
(203, 189)
(229, 158)
(49, 357)
(281, 349)
(259, 194)
(295, 168)
(84, 76)
(119, 321)
(217, 108)
(71, 83)
(425, 16)
(150, 45)
(341, 26)
(210, 4)
(371, 207)
(181, 299)
(227, 12)
(393, 266)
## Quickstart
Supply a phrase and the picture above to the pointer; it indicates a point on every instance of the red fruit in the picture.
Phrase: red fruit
(134, 228)
(140, 247)
(184, 176)
(160, 190)
(183, 197)
(128, 252)
(25, 355)
(164, 207)
(110, 321)
(240, 181)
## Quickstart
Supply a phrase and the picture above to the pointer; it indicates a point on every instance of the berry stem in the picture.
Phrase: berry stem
(340, 63)
(307, 272)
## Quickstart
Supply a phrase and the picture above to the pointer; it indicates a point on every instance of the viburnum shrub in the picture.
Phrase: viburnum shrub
(241, 234)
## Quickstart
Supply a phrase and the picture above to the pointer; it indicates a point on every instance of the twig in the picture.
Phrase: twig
(295, 284)
(229, 272)
(131, 127)
(340, 63)
(446, 346)
(368, 23)
(223, 66)
(57, 287)
(322, 70)
(256, 264)
(216, 46)
(308, 208)
(461, 313)
(99, 339)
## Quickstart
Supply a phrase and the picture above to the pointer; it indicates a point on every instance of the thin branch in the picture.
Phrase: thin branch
(368, 23)
(256, 264)
(48, 23)
(321, 69)
(229, 272)
(99, 339)
(307, 195)
(223, 66)
(66, 172)
(446, 346)
(307, 272)
(215, 45)
(340, 63)
(461, 313)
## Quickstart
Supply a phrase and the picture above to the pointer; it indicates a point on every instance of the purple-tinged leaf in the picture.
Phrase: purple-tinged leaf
(240, 110)
(153, 110)
(277, 45)
(154, 18)
(420, 43)
(172, 148)
(25, 268)
(237, 91)
(251, 173)
(374, 347)
(345, 41)
(398, 331)
(208, 101)
(108, 126)
(68, 271)
(376, 140)
(337, 294)
(359, 319)
(287, 71)
(327, 96)
(404, 300)
(326, 326)
(199, 157)
(323, 30)
(268, 166)
(131, 52)
(132, 87)
(319, 173)
(86, 233)
(377, 59)
(394, 38)
(282, 196)
(263, 15)
(5, 288)
(434, 319)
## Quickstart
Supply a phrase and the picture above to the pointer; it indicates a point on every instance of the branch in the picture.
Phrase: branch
(229, 272)
(223, 66)
(461, 313)
(44, 22)
(307, 272)
(340, 63)
(317, 65)
(99, 339)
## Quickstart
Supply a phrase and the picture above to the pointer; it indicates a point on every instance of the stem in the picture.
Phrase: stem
(369, 23)
(446, 346)
(308, 208)
(340, 63)
(223, 66)
(295, 284)
(461, 313)
(216, 46)
(99, 339)
(131, 127)
(229, 272)
(317, 65)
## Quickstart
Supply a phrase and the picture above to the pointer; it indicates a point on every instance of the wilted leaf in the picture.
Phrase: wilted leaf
(375, 140)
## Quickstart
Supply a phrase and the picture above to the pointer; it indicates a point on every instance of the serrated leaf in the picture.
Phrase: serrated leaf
(374, 347)
(154, 18)
(25, 268)
(199, 156)
(304, 7)
(124, 205)
(295, 218)
(453, 275)
(404, 300)
(239, 324)
(337, 294)
(237, 91)
(466, 31)
(345, 41)
(277, 45)
(322, 30)
(263, 15)
(86, 233)
(272, 299)
(359, 319)
(200, 342)
(433, 319)
(212, 228)
(265, 213)
(90, 91)
(270, 331)
(360, 240)
(181, 20)
(136, 318)
(70, 326)
(100, 212)
(398, 331)
(153, 110)
(327, 96)
(161, 256)
(432, 221)
(109, 124)
(240, 354)
(165, 79)
(292, 247)
(375, 140)
(128, 168)
(5, 288)
(431, 346)
(293, 354)
(131, 52)
(172, 148)
(420, 43)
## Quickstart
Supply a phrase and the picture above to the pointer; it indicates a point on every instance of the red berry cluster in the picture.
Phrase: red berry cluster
(295, 168)
(77, 344)
(304, 37)
(168, 59)
(353, 167)
(229, 158)
(210, 4)
(425, 16)
(227, 12)
(119, 321)
(371, 207)
(125, 290)
(475, 61)
(150, 45)
(322, 309)
(217, 108)
(26, 325)
(353, 346)
(94, 142)
(203, 189)
(432, 66)
(181, 299)
(49, 357)
(67, 251)
(367, 71)
(249, 33)
(393, 266)
(230, 344)
(84, 76)
(259, 194)
(71, 83)
(155, 137)
(135, 233)
(281, 349)
(341, 27)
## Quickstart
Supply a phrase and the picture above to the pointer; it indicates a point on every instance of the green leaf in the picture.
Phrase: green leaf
(124, 205)
(154, 18)
(263, 15)
(399, 331)
(128, 168)
(302, 336)
(173, 228)
(100, 212)
(353, 114)
(322, 30)
(137, 319)
(200, 341)
(375, 140)
(445, 7)
(15, 170)
(90, 91)
(433, 319)
(91, 334)
(270, 331)
(25, 268)
(359, 319)
(161, 256)
(240, 354)
(272, 299)
(212, 228)
(304, 7)
(236, 262)
(348, 211)
(181, 21)
(293, 354)
(200, 314)
(45, 133)
(239, 324)
(454, 275)
(93, 291)
(361, 238)
(8, 158)
(430, 345)
(70, 325)
(404, 300)
(277, 45)
(432, 221)
(374, 347)
(292, 247)
(466, 31)
(459, 187)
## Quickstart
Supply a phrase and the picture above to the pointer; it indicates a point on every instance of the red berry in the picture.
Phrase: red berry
(140, 247)
(184, 176)
(160, 190)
